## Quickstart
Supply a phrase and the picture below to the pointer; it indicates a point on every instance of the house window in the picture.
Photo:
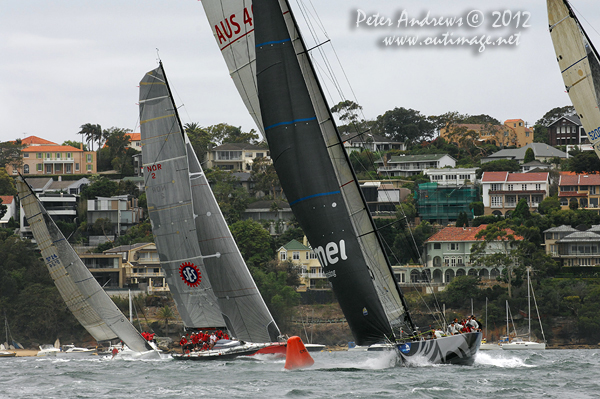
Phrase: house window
(296, 255)
(39, 155)
(48, 168)
(69, 155)
(68, 168)
(524, 187)
(437, 245)
(58, 154)
(283, 255)
(25, 168)
(511, 187)
(453, 261)
(89, 158)
(39, 167)
(496, 201)
(453, 246)
(248, 155)
(76, 167)
(259, 155)
(26, 155)
(538, 187)
(89, 168)
(495, 187)
(526, 134)
(48, 155)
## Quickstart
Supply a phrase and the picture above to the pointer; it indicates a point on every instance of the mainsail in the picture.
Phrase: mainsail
(170, 205)
(579, 65)
(243, 308)
(319, 182)
(89, 303)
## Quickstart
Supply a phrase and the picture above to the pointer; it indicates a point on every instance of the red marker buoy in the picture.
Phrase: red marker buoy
(296, 356)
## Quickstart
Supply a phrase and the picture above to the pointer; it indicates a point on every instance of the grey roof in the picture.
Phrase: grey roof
(580, 236)
(39, 183)
(417, 158)
(242, 176)
(518, 154)
(573, 118)
(535, 164)
(561, 229)
(595, 228)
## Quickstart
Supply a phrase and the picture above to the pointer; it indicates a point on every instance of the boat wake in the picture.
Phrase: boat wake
(486, 359)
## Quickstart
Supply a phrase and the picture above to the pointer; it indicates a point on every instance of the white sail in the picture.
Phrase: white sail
(167, 181)
(89, 303)
(579, 66)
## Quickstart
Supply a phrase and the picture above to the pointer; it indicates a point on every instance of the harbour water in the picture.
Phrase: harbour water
(496, 374)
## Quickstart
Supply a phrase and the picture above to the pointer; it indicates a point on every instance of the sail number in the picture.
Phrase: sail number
(595, 134)
(52, 260)
(152, 169)
(230, 27)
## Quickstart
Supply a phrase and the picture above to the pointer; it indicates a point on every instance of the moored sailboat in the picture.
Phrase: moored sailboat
(84, 296)
(324, 195)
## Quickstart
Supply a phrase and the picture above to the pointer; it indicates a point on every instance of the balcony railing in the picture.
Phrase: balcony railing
(146, 274)
(312, 275)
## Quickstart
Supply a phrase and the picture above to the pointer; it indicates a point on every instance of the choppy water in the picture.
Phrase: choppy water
(496, 374)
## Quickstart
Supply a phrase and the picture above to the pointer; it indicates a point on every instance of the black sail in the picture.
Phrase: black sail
(310, 177)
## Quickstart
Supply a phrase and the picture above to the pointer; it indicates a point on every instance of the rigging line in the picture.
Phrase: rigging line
(582, 17)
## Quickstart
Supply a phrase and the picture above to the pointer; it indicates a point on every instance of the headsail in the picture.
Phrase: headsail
(170, 205)
(579, 65)
(243, 308)
(319, 182)
(89, 303)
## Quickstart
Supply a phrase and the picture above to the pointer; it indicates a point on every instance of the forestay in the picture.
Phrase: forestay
(168, 191)
(579, 66)
(84, 297)
(319, 182)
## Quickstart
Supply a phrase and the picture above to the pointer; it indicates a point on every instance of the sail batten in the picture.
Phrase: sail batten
(84, 297)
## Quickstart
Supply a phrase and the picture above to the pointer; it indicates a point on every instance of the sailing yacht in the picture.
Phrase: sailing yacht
(210, 282)
(86, 299)
(579, 65)
(286, 99)
(519, 343)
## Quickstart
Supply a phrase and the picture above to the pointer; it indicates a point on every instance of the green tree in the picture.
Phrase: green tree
(230, 195)
(481, 119)
(477, 208)
(529, 155)
(584, 162)
(75, 144)
(405, 125)
(279, 297)
(253, 241)
(201, 140)
(265, 177)
(117, 142)
(463, 220)
(10, 153)
(460, 290)
(347, 111)
(101, 186)
(165, 314)
(554, 114)
(521, 210)
(548, 205)
(92, 133)
(224, 133)
(7, 183)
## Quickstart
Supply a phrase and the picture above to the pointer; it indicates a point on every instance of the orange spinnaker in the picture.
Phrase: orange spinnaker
(296, 356)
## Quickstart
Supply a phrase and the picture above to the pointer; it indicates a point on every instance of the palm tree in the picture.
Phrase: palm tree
(166, 314)
(92, 133)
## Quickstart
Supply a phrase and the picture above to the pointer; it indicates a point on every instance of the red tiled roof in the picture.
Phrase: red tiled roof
(571, 194)
(540, 176)
(135, 136)
(462, 234)
(7, 199)
(512, 120)
(52, 148)
(583, 179)
(494, 176)
(36, 140)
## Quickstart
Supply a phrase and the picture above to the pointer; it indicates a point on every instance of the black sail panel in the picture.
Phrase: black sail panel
(308, 177)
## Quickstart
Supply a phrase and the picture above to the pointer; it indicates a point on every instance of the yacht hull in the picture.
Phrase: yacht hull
(454, 349)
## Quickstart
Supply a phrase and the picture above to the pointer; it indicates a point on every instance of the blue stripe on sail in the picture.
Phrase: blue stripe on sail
(313, 196)
(576, 62)
(60, 239)
(274, 42)
(290, 122)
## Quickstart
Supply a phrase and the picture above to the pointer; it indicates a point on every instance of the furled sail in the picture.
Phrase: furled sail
(579, 65)
(170, 205)
(243, 308)
(319, 182)
(89, 303)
